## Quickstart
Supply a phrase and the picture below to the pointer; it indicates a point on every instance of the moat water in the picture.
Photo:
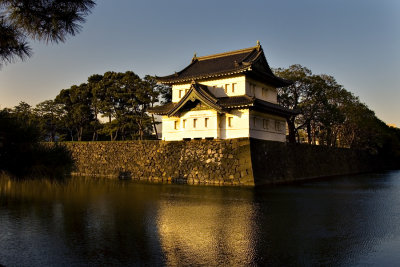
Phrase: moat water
(352, 220)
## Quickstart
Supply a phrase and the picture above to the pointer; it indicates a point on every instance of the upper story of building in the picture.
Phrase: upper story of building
(235, 73)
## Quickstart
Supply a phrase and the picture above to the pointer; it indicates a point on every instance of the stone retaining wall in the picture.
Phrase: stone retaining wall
(240, 161)
(275, 162)
(220, 162)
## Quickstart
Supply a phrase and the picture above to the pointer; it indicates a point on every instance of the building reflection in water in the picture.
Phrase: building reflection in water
(211, 232)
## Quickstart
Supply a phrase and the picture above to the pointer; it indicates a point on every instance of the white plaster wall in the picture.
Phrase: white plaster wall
(200, 131)
(239, 124)
(217, 125)
(270, 132)
(270, 94)
(218, 91)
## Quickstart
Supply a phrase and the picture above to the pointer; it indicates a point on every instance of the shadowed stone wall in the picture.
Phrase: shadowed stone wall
(274, 162)
(221, 162)
(240, 161)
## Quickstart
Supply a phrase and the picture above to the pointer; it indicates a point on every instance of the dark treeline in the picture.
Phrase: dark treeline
(21, 153)
(111, 106)
(330, 115)
(74, 115)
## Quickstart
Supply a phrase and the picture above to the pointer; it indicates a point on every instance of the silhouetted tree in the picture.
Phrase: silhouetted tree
(76, 102)
(42, 20)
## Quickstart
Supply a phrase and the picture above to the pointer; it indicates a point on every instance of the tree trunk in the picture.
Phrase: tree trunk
(328, 137)
(80, 131)
(115, 136)
(292, 130)
(109, 121)
(298, 137)
(309, 137)
(154, 125)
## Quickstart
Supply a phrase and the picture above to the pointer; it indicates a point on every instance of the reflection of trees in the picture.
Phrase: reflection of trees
(109, 225)
(96, 221)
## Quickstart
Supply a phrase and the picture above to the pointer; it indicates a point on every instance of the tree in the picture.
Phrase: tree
(76, 103)
(94, 85)
(291, 96)
(327, 112)
(20, 153)
(50, 115)
(158, 93)
(42, 20)
(24, 112)
(124, 98)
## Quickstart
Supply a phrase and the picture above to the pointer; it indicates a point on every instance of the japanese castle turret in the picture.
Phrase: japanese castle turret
(222, 96)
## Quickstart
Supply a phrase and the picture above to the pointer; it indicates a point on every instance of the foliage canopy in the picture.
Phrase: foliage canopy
(42, 20)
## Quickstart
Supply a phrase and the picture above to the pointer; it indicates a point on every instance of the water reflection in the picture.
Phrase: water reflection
(215, 229)
(85, 221)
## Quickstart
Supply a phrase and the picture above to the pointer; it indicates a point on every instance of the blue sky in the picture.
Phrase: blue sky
(356, 41)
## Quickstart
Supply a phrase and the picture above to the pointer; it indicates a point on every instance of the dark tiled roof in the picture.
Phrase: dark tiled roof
(235, 101)
(224, 104)
(272, 108)
(251, 61)
(163, 109)
(255, 104)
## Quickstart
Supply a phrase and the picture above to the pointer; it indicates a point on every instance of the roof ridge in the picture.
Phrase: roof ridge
(229, 53)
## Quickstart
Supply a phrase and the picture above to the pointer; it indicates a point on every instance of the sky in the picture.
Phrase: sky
(355, 41)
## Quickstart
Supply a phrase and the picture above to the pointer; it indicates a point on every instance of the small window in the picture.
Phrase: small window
(206, 122)
(180, 93)
(265, 124)
(233, 87)
(194, 123)
(176, 125)
(183, 123)
(230, 121)
(226, 88)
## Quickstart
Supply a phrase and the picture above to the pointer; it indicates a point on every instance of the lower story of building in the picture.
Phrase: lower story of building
(209, 124)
